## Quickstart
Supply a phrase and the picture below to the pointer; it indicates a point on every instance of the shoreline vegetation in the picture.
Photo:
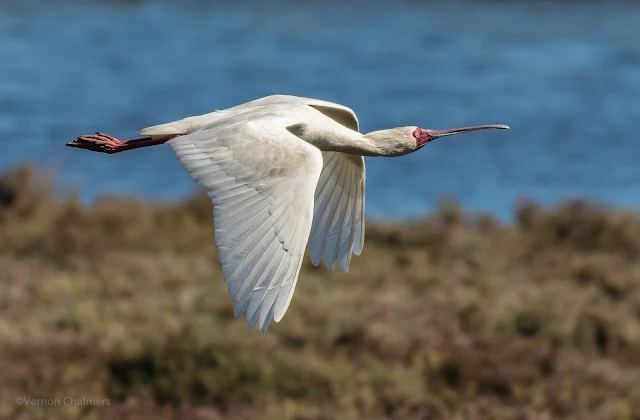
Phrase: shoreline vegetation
(454, 316)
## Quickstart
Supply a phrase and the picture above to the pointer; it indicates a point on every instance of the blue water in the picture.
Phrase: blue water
(564, 75)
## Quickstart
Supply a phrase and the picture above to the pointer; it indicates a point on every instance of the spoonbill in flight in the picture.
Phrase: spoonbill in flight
(284, 172)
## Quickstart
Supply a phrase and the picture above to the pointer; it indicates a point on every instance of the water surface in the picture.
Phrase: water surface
(565, 76)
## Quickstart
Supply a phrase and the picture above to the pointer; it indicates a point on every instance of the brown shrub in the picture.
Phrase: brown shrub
(450, 316)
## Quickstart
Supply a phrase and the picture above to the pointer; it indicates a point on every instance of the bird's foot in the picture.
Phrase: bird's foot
(98, 142)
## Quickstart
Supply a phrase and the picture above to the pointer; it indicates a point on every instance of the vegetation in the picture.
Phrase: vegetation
(454, 316)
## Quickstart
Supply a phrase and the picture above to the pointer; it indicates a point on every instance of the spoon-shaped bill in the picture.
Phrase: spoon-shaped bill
(434, 134)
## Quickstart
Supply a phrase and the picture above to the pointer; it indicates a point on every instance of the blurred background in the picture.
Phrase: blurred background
(564, 75)
(500, 276)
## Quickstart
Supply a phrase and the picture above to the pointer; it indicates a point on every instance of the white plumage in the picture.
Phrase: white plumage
(261, 179)
(282, 172)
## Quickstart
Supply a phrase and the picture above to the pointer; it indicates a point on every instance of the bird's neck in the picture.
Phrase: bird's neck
(337, 139)
(355, 144)
(390, 142)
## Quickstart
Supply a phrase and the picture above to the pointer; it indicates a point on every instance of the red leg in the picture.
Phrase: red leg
(105, 143)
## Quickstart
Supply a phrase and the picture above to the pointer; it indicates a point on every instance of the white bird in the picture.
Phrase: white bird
(283, 172)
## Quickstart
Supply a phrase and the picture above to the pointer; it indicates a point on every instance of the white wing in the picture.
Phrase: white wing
(261, 179)
(338, 220)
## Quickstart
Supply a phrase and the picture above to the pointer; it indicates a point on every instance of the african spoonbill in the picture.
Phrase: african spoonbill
(283, 172)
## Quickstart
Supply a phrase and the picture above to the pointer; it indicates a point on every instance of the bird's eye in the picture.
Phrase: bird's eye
(416, 134)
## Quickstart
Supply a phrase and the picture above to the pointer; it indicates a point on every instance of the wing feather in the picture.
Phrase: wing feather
(323, 216)
(338, 220)
(337, 203)
(323, 193)
(261, 179)
(358, 230)
(345, 241)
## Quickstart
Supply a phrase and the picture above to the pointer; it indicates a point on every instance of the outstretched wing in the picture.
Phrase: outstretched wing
(261, 179)
(338, 219)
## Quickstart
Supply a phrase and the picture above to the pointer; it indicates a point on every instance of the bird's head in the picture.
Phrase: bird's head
(404, 140)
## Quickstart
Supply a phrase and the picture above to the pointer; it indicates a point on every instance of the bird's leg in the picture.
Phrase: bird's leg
(105, 143)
